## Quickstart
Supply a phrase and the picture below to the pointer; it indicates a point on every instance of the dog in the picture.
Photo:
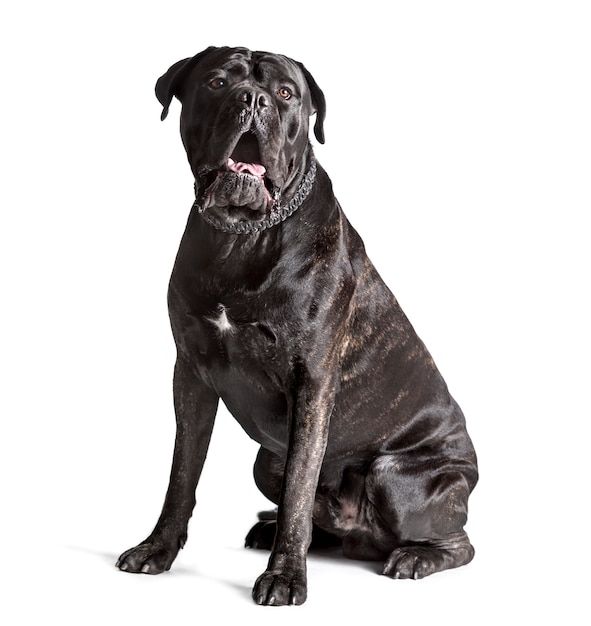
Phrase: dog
(276, 310)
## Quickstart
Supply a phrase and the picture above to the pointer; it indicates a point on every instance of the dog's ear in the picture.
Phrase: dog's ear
(171, 83)
(318, 102)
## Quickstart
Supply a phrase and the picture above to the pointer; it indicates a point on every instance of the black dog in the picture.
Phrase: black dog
(276, 309)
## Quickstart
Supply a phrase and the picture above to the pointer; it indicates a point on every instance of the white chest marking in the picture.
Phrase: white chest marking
(222, 321)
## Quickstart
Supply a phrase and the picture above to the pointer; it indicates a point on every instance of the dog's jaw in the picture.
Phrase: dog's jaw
(245, 179)
(233, 192)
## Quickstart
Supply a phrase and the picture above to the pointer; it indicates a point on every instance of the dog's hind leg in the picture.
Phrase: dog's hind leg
(425, 506)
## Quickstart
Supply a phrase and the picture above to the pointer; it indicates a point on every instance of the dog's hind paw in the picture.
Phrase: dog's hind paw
(420, 560)
(261, 535)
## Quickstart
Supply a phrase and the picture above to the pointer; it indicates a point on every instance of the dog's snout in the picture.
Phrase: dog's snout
(253, 99)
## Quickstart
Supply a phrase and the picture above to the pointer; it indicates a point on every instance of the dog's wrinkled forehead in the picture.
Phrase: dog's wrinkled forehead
(262, 67)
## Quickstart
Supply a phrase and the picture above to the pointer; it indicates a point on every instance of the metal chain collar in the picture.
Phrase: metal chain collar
(279, 214)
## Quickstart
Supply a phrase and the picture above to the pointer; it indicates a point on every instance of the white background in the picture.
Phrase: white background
(459, 144)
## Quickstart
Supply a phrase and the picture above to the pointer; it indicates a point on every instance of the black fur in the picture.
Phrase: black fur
(293, 328)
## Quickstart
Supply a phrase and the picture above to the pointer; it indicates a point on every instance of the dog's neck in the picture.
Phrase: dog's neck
(278, 214)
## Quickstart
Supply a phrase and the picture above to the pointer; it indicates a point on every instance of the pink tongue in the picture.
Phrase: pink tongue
(250, 168)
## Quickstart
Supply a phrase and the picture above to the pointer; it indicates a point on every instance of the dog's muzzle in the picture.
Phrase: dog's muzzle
(242, 179)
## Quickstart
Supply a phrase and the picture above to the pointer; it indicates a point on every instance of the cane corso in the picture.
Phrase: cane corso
(276, 309)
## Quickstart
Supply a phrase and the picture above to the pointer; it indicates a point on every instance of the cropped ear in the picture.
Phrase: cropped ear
(170, 84)
(318, 102)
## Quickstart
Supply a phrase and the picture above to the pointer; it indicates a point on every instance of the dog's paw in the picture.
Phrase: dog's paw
(418, 561)
(150, 557)
(280, 588)
(261, 535)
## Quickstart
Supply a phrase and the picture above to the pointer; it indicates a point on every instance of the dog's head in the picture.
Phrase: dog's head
(244, 125)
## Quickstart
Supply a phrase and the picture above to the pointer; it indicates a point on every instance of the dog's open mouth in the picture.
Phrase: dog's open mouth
(242, 180)
(246, 156)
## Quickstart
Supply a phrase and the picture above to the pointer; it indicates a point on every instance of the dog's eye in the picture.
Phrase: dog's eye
(217, 83)
(284, 93)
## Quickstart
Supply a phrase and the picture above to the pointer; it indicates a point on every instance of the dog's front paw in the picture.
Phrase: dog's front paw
(279, 588)
(149, 557)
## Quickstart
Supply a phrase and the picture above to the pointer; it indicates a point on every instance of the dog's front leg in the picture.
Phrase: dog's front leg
(195, 408)
(284, 581)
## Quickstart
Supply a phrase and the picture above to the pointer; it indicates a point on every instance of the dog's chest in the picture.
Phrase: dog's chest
(238, 355)
(220, 337)
(221, 322)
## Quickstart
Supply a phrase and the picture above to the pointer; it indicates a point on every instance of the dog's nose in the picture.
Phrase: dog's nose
(253, 99)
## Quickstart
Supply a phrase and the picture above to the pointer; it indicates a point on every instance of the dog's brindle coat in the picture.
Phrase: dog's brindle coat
(293, 328)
